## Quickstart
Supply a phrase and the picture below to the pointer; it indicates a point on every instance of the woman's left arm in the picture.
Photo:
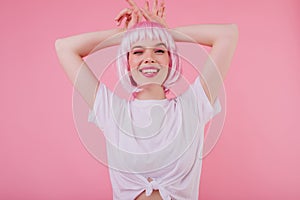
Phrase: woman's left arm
(223, 41)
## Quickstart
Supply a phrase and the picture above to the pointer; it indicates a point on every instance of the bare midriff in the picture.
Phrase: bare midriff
(154, 196)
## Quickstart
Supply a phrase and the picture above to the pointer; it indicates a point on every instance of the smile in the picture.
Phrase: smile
(149, 72)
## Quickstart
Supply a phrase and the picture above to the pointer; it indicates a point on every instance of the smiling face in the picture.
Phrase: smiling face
(149, 62)
(148, 36)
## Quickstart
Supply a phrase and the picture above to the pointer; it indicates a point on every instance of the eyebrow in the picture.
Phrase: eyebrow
(157, 45)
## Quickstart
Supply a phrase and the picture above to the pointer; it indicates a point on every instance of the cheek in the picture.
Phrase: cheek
(165, 61)
(132, 62)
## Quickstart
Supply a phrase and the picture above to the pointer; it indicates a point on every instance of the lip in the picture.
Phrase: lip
(148, 67)
(149, 71)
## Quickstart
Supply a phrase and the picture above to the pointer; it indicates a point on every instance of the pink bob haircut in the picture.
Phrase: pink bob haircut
(143, 31)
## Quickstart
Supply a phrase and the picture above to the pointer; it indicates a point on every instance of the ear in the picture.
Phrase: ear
(128, 66)
(170, 59)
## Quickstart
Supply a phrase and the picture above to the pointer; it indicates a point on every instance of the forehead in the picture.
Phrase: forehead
(148, 43)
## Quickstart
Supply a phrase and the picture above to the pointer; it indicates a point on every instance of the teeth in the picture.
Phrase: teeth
(149, 71)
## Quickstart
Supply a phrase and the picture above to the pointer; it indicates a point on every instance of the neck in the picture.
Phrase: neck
(151, 91)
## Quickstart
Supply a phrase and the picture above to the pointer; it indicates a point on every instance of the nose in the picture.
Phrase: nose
(149, 60)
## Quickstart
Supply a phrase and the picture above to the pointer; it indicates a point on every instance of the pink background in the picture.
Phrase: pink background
(258, 154)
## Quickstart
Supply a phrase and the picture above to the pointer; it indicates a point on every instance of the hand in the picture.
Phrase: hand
(133, 15)
(157, 14)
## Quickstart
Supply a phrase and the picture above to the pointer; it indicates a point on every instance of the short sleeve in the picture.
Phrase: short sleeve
(101, 112)
(198, 101)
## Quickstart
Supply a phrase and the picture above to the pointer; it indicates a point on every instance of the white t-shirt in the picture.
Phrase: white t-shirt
(157, 139)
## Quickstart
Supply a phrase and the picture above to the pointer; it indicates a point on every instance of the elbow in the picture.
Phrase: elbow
(233, 32)
(59, 45)
(228, 34)
(65, 46)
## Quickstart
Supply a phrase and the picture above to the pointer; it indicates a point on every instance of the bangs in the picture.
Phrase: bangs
(146, 33)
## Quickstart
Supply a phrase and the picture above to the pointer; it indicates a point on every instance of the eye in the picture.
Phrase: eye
(137, 52)
(159, 51)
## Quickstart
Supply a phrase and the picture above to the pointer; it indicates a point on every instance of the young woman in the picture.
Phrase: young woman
(154, 144)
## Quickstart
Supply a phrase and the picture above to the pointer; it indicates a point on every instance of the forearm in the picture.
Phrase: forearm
(71, 51)
(84, 44)
(223, 40)
(205, 34)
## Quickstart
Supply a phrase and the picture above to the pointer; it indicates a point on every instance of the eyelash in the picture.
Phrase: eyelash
(137, 52)
(160, 51)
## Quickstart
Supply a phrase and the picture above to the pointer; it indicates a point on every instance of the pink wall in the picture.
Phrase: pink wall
(258, 154)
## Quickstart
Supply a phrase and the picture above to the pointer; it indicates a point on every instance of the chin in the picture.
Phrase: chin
(150, 84)
(159, 81)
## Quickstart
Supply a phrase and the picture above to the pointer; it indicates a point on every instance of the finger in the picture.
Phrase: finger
(122, 13)
(161, 10)
(126, 16)
(135, 17)
(146, 14)
(155, 9)
(133, 4)
(163, 14)
(128, 20)
(147, 7)
(162, 3)
(126, 23)
(119, 21)
(133, 20)
(140, 16)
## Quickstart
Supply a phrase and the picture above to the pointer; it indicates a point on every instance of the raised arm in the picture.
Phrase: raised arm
(221, 37)
(72, 50)
(223, 40)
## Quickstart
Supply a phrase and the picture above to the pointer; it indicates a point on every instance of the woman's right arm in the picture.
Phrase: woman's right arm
(72, 50)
